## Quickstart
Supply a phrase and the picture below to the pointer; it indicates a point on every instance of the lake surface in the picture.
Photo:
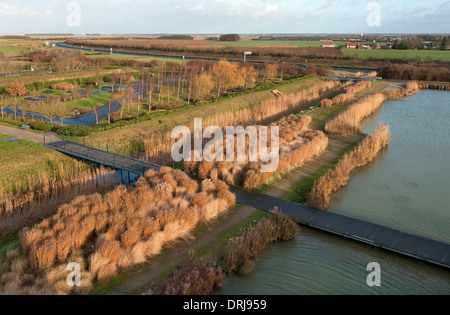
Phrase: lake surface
(407, 187)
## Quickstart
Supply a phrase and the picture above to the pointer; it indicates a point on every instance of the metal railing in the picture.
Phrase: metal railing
(141, 162)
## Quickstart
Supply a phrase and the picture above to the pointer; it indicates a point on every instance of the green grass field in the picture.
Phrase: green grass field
(13, 47)
(89, 102)
(23, 160)
(391, 53)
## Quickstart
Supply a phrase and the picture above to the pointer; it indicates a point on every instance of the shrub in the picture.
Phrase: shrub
(42, 125)
(76, 131)
(196, 278)
(240, 250)
(64, 86)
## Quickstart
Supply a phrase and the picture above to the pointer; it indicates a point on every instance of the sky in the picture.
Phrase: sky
(223, 16)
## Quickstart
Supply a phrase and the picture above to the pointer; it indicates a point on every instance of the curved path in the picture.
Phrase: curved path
(28, 135)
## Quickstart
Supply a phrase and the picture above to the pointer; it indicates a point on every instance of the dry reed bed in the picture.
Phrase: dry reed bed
(196, 278)
(201, 278)
(338, 177)
(349, 121)
(115, 231)
(18, 211)
(338, 100)
(348, 96)
(411, 89)
(297, 145)
(441, 87)
(243, 249)
(358, 87)
(269, 110)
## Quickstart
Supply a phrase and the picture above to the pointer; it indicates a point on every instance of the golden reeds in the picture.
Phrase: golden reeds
(242, 249)
(297, 145)
(358, 87)
(21, 210)
(430, 86)
(367, 150)
(122, 231)
(349, 121)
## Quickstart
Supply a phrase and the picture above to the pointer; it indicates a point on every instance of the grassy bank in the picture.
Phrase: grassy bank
(161, 123)
(25, 164)
(298, 192)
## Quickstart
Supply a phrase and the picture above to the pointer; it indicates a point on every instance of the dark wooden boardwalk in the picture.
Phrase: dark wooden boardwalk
(373, 234)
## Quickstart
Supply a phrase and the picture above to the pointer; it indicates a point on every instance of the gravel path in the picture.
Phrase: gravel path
(27, 135)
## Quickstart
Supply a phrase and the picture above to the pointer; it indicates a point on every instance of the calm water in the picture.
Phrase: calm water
(407, 188)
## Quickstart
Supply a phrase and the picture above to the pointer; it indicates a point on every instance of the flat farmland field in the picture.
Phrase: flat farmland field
(138, 58)
(148, 43)
(398, 54)
(13, 47)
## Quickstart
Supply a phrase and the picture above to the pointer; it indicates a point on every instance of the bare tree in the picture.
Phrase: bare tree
(96, 108)
(5, 100)
(89, 90)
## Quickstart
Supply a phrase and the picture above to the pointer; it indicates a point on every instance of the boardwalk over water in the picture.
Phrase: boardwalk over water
(418, 247)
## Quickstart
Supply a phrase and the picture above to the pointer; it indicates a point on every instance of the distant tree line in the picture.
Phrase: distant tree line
(230, 38)
(177, 37)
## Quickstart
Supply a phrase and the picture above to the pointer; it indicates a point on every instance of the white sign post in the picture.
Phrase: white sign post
(247, 53)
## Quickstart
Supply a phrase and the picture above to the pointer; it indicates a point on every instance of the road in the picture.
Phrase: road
(63, 45)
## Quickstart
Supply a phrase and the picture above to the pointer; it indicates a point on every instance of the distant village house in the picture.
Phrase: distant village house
(352, 45)
(328, 44)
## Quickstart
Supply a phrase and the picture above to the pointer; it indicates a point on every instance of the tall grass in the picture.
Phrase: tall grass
(358, 87)
(412, 85)
(334, 179)
(343, 98)
(18, 211)
(297, 145)
(196, 278)
(349, 121)
(241, 250)
(442, 87)
(119, 229)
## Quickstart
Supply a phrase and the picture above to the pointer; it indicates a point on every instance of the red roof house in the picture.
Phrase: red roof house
(328, 44)
(352, 45)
